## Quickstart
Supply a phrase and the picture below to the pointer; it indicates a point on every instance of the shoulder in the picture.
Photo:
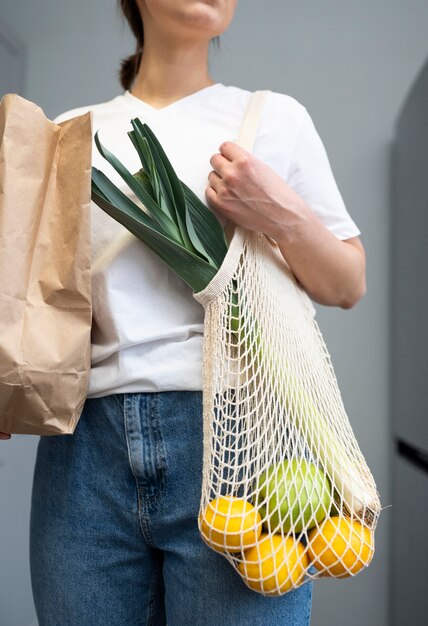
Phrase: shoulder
(281, 118)
(284, 114)
(99, 109)
(282, 103)
(276, 103)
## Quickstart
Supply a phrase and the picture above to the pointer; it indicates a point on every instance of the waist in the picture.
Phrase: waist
(148, 367)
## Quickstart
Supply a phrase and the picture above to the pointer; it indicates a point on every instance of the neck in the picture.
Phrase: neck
(167, 73)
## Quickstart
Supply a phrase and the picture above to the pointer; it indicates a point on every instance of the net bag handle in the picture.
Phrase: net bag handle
(248, 129)
(250, 121)
(246, 137)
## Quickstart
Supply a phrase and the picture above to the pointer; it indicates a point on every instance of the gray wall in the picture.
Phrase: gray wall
(350, 64)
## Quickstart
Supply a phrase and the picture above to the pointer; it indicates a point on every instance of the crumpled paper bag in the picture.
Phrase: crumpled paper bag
(45, 259)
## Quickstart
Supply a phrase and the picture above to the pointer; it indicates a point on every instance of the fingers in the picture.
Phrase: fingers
(232, 161)
(228, 153)
(214, 179)
(219, 164)
(232, 150)
(211, 196)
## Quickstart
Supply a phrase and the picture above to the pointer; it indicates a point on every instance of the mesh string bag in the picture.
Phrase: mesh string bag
(287, 496)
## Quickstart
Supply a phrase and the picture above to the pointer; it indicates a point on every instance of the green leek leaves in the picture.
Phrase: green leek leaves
(174, 222)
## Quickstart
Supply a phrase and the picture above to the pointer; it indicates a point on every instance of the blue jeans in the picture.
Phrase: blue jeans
(114, 539)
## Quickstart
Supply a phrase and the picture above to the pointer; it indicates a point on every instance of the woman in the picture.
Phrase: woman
(113, 536)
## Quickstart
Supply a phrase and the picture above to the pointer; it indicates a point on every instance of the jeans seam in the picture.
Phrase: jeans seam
(160, 453)
(145, 531)
(154, 592)
(153, 500)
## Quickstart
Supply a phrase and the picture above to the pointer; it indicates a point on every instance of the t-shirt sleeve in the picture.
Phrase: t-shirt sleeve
(311, 176)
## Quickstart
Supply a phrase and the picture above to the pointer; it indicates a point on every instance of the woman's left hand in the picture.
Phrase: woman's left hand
(247, 191)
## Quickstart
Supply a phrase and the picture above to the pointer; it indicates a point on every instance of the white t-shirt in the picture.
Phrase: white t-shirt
(147, 328)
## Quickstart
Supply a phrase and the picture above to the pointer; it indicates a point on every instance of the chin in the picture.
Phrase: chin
(214, 16)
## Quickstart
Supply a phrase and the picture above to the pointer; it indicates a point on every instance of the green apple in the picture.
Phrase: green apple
(293, 495)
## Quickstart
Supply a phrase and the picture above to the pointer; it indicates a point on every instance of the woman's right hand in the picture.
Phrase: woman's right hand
(5, 436)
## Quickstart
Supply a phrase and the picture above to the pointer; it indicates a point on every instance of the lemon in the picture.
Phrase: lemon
(340, 546)
(230, 524)
(274, 565)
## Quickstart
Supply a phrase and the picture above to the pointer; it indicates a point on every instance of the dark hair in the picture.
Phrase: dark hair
(129, 66)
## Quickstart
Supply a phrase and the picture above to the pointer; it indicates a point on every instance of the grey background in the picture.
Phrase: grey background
(351, 64)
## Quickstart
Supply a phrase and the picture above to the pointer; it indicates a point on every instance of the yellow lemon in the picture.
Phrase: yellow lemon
(275, 565)
(340, 547)
(230, 524)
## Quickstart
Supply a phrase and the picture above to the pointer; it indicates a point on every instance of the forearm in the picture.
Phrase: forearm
(250, 193)
(333, 272)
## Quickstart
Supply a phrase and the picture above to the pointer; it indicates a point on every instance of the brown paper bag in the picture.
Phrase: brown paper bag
(45, 288)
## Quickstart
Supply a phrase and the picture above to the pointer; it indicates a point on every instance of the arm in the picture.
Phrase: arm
(332, 271)
(304, 214)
